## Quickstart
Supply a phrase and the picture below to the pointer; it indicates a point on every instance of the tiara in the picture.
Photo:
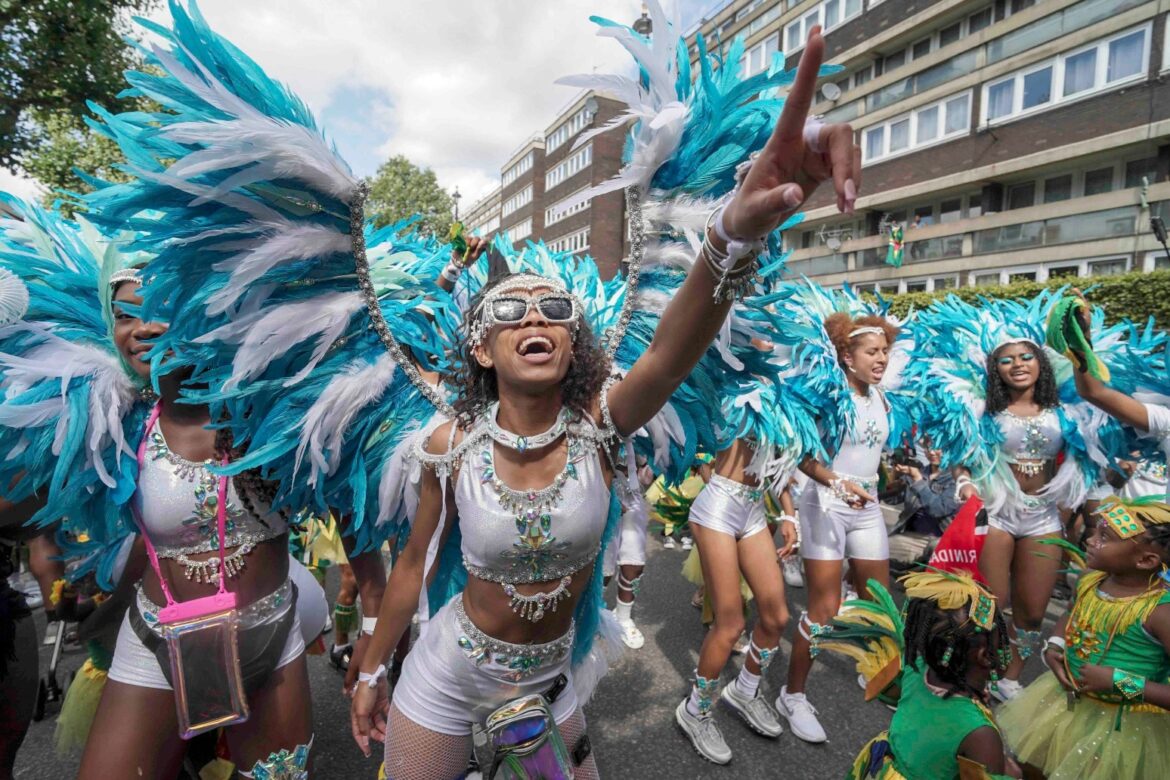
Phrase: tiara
(1015, 340)
(125, 275)
(867, 329)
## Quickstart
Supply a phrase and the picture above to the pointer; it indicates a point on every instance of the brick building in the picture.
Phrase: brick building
(1013, 138)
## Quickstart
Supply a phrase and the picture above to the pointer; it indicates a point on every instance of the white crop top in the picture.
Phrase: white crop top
(515, 536)
(1037, 438)
(861, 451)
(177, 501)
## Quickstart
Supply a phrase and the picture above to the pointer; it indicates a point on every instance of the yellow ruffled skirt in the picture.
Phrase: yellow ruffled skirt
(1082, 743)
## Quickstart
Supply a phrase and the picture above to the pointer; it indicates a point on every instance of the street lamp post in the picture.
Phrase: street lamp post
(455, 197)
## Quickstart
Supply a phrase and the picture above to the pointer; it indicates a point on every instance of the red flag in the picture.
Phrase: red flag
(962, 542)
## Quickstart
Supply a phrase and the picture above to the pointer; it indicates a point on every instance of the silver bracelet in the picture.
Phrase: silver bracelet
(787, 518)
(837, 487)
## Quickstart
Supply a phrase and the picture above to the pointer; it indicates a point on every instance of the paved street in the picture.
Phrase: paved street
(631, 718)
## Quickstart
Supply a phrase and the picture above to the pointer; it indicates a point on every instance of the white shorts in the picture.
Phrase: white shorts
(1033, 516)
(730, 507)
(629, 549)
(831, 530)
(456, 676)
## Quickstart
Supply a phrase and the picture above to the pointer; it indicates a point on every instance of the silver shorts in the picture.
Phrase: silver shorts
(629, 548)
(456, 676)
(1033, 516)
(730, 507)
(831, 530)
(135, 664)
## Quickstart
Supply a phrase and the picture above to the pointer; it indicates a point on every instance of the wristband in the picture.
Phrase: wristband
(787, 518)
(1057, 641)
(812, 134)
(736, 248)
(372, 679)
(1131, 687)
(451, 272)
(369, 624)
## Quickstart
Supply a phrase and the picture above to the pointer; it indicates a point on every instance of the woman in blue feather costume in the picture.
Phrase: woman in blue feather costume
(1004, 412)
(524, 467)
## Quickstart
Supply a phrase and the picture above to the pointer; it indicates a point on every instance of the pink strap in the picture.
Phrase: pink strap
(220, 513)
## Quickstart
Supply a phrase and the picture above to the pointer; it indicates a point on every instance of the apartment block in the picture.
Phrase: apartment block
(1013, 139)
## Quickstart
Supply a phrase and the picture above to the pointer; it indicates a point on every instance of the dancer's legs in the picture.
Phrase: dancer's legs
(281, 717)
(824, 599)
(135, 734)
(719, 556)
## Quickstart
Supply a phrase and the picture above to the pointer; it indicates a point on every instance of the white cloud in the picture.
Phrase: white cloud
(20, 186)
(455, 85)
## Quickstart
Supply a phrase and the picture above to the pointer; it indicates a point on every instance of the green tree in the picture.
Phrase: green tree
(55, 55)
(401, 189)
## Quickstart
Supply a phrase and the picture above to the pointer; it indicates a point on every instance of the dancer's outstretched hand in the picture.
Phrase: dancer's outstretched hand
(789, 168)
(367, 714)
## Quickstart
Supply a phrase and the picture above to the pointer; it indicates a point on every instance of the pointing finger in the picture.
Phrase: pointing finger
(800, 96)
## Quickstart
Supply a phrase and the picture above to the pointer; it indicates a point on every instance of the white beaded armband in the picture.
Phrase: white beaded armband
(369, 624)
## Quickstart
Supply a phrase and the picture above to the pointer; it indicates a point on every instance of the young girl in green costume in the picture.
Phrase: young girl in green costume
(1102, 712)
(936, 661)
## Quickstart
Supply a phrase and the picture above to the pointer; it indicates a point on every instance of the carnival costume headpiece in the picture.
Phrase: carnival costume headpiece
(951, 591)
(1130, 519)
(69, 399)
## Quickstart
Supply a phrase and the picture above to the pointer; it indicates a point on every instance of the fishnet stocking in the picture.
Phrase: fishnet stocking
(417, 753)
(414, 752)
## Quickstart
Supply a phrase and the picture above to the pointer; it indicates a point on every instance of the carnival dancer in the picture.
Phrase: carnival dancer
(127, 457)
(993, 406)
(934, 660)
(1103, 708)
(843, 348)
(524, 450)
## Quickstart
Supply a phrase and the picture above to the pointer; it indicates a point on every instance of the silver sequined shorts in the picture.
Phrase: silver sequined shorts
(1034, 516)
(456, 675)
(730, 507)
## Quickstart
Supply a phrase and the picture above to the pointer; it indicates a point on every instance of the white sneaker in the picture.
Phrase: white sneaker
(668, 543)
(801, 715)
(793, 572)
(51, 630)
(631, 635)
(687, 543)
(704, 735)
(1006, 690)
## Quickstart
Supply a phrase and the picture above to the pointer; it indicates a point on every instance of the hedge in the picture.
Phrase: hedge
(1136, 296)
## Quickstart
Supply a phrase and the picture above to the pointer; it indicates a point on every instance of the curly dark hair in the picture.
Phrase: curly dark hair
(1045, 393)
(936, 635)
(588, 370)
(839, 325)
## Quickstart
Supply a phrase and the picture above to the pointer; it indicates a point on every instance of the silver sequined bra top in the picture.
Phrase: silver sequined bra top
(1031, 439)
(177, 500)
(861, 451)
(518, 536)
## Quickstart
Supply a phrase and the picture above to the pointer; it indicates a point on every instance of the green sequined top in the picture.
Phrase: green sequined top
(1110, 631)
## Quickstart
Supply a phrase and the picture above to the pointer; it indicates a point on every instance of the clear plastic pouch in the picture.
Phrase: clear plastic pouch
(526, 742)
(205, 672)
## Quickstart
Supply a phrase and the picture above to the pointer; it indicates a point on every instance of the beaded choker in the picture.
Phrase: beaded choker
(524, 443)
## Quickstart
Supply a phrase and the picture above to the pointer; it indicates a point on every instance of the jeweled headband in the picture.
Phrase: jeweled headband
(479, 322)
(125, 275)
(1131, 518)
(1015, 340)
(867, 330)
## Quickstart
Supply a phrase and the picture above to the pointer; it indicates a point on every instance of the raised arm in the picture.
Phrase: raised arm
(460, 260)
(1113, 402)
(787, 172)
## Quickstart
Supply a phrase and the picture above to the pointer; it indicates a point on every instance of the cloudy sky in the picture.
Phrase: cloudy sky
(455, 85)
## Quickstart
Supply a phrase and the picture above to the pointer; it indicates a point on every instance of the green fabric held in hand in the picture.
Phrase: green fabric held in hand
(1064, 334)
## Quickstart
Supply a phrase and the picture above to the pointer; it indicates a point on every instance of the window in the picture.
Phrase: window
(975, 205)
(918, 285)
(945, 282)
(828, 14)
(575, 163)
(520, 231)
(487, 227)
(557, 211)
(1099, 181)
(1022, 276)
(1111, 267)
(570, 128)
(978, 20)
(985, 280)
(1037, 87)
(1058, 188)
(950, 210)
(758, 58)
(574, 242)
(924, 126)
(1063, 271)
(521, 198)
(948, 35)
(522, 166)
(863, 75)
(1126, 56)
(1107, 63)
(895, 60)
(1136, 170)
(1021, 196)
(920, 49)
